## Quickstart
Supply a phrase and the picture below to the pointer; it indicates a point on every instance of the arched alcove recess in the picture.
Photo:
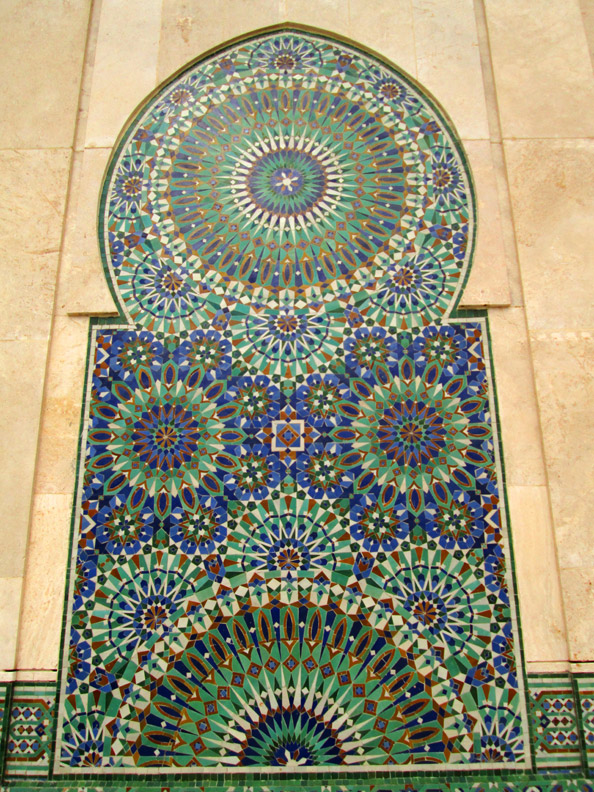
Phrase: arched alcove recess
(290, 544)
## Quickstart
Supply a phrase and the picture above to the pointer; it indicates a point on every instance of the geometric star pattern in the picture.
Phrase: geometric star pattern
(290, 547)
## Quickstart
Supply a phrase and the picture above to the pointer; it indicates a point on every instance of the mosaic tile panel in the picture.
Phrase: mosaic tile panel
(290, 547)
(552, 708)
(585, 687)
(553, 711)
(436, 784)
(30, 729)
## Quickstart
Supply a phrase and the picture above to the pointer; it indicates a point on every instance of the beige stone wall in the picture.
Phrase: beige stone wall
(515, 77)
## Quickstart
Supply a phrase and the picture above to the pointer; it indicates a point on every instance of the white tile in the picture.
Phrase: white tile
(488, 282)
(389, 31)
(541, 607)
(10, 604)
(542, 68)
(125, 66)
(59, 437)
(578, 594)
(33, 185)
(565, 391)
(518, 411)
(449, 64)
(45, 576)
(83, 288)
(43, 46)
(22, 369)
(552, 194)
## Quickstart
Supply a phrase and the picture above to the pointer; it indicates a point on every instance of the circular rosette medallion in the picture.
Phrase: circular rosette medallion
(283, 171)
(287, 538)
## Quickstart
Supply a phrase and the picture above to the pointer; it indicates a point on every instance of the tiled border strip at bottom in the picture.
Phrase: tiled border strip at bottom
(29, 731)
(498, 784)
(553, 713)
(561, 709)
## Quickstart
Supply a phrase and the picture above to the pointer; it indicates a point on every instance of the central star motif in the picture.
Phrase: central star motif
(288, 435)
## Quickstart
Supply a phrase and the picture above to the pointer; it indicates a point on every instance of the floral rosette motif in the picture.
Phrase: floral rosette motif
(165, 436)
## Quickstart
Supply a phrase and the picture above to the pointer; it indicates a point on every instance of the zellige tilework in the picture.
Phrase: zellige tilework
(290, 544)
(30, 728)
(553, 711)
(436, 784)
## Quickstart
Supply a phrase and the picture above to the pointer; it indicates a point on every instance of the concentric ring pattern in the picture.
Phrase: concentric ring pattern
(289, 172)
(290, 544)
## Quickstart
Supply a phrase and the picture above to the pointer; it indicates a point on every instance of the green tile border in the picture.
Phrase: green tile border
(5, 699)
(525, 783)
(587, 752)
(510, 554)
(556, 777)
